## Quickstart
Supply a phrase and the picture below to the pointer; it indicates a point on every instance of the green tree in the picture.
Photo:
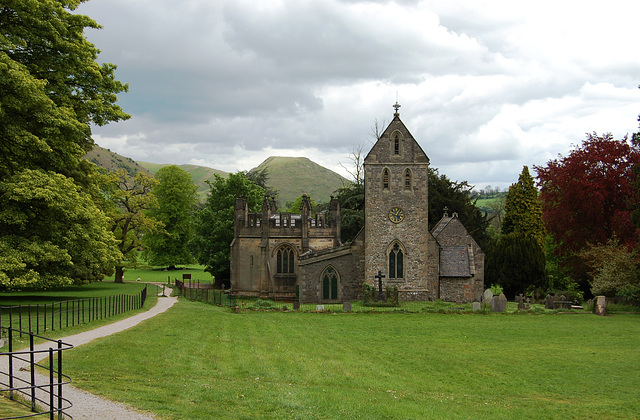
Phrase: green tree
(214, 222)
(52, 86)
(522, 243)
(127, 199)
(51, 233)
(351, 199)
(516, 262)
(456, 196)
(523, 209)
(176, 197)
(52, 91)
(613, 270)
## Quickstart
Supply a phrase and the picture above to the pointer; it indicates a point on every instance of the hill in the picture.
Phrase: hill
(112, 161)
(199, 174)
(294, 176)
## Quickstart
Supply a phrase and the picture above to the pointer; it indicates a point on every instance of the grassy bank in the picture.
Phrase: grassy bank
(199, 361)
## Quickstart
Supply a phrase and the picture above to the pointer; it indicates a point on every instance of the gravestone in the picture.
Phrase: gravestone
(601, 306)
(319, 308)
(475, 306)
(487, 296)
(520, 300)
(548, 302)
(503, 301)
(499, 303)
(296, 305)
(346, 306)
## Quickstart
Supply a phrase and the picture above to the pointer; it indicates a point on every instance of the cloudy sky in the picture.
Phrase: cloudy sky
(485, 86)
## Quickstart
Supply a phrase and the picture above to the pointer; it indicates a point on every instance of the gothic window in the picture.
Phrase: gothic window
(285, 259)
(396, 145)
(330, 284)
(385, 179)
(396, 262)
(407, 179)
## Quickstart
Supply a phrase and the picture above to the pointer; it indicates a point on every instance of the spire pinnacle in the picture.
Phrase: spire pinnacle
(396, 106)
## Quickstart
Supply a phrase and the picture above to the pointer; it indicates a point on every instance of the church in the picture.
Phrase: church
(289, 256)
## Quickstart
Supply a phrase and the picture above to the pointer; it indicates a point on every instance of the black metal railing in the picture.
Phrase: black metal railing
(19, 383)
(204, 292)
(58, 315)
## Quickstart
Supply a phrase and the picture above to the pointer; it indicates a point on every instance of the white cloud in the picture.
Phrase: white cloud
(485, 86)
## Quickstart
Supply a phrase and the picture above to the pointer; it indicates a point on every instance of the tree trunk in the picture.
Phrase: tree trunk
(119, 274)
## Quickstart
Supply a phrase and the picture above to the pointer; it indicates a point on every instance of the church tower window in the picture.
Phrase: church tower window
(396, 262)
(407, 179)
(385, 179)
(285, 259)
(396, 145)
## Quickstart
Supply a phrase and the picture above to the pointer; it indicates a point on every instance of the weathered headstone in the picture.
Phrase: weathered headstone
(346, 306)
(499, 303)
(296, 305)
(319, 308)
(487, 296)
(503, 301)
(601, 306)
(548, 302)
(520, 300)
(475, 306)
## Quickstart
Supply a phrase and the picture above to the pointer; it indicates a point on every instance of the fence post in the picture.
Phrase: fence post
(20, 319)
(60, 306)
(59, 379)
(10, 361)
(29, 308)
(53, 317)
(51, 393)
(32, 368)
(37, 318)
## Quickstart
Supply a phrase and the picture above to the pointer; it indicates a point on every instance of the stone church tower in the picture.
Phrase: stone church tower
(397, 238)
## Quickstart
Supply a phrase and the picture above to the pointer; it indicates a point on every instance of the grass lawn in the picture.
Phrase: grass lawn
(160, 275)
(201, 361)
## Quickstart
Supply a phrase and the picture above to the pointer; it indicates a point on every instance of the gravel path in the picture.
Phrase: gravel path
(86, 405)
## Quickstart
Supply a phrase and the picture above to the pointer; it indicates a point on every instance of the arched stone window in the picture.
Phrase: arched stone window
(285, 260)
(329, 284)
(385, 179)
(396, 261)
(396, 144)
(407, 179)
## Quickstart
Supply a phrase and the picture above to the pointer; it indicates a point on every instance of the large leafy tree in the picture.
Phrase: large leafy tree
(176, 197)
(52, 233)
(52, 91)
(613, 270)
(456, 197)
(517, 261)
(588, 196)
(53, 88)
(214, 222)
(127, 199)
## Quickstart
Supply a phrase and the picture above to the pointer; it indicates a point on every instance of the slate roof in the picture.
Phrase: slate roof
(454, 262)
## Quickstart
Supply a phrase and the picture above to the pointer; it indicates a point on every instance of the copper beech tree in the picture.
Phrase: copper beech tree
(588, 197)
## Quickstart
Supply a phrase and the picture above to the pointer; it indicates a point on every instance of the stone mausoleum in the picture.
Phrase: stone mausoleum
(284, 256)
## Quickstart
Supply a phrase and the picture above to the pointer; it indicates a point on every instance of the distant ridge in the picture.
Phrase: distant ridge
(112, 161)
(291, 176)
(294, 176)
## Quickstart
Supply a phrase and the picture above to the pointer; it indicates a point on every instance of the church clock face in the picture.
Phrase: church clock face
(396, 215)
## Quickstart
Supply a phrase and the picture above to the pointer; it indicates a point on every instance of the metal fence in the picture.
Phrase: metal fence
(58, 315)
(206, 293)
(18, 382)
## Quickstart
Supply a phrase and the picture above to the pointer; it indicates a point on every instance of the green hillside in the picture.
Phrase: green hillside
(291, 176)
(199, 174)
(112, 161)
(294, 176)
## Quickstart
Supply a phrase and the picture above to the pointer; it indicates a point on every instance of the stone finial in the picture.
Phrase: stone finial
(445, 211)
(396, 106)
